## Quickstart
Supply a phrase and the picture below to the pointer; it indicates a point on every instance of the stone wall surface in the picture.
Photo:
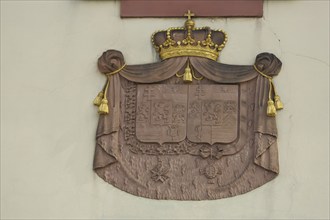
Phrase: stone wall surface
(49, 79)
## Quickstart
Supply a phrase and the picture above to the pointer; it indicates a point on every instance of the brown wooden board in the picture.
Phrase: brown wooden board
(201, 8)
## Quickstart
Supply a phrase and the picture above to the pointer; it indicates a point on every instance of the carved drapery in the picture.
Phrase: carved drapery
(157, 141)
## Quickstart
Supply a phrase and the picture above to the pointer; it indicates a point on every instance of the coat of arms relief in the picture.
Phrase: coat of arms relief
(187, 127)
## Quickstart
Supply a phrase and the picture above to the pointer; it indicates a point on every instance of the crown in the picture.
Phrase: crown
(189, 41)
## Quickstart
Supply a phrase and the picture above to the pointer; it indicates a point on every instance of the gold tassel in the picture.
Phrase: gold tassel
(271, 110)
(278, 103)
(187, 77)
(104, 108)
(98, 99)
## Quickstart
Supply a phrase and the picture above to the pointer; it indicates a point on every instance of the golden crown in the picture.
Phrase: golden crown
(189, 41)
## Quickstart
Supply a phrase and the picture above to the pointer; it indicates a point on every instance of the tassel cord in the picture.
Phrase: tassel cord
(275, 104)
(275, 93)
(179, 75)
(116, 71)
(106, 88)
(101, 100)
(270, 80)
(271, 86)
(195, 77)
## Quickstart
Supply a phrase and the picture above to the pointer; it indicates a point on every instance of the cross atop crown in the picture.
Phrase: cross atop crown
(189, 14)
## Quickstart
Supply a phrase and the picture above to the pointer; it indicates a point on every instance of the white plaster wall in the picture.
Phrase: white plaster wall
(49, 79)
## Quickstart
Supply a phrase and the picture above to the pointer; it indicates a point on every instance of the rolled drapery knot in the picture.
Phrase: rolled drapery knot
(110, 63)
(268, 65)
(111, 60)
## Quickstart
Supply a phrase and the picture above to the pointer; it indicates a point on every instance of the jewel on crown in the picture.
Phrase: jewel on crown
(189, 41)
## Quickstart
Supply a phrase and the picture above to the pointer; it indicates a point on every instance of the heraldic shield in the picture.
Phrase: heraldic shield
(188, 127)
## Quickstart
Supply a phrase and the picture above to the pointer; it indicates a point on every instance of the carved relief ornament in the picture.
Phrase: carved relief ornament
(188, 127)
